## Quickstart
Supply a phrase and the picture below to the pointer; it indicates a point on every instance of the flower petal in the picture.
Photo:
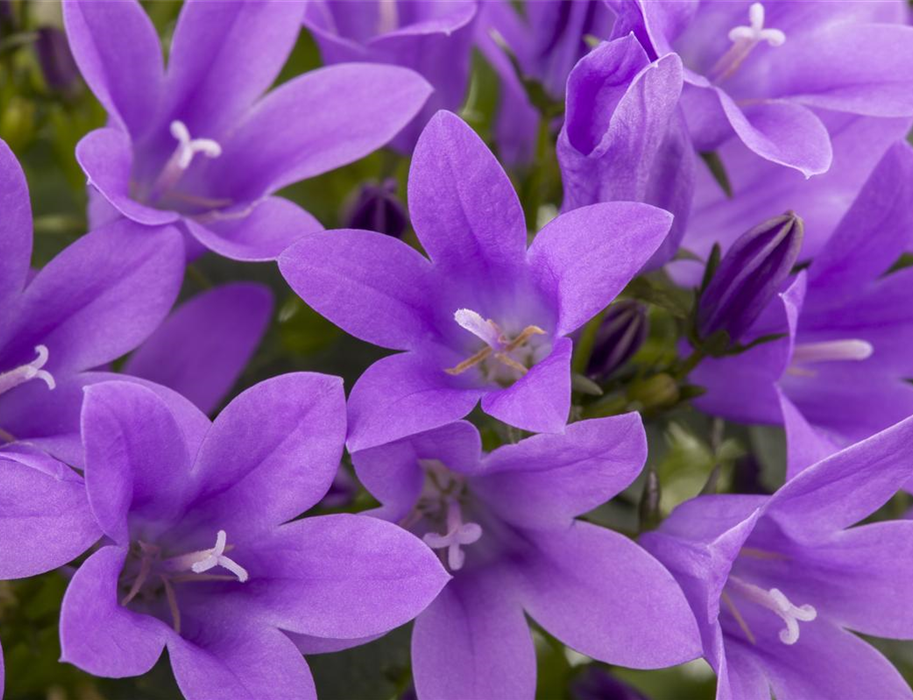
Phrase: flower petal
(585, 257)
(119, 55)
(805, 446)
(604, 596)
(202, 348)
(545, 481)
(540, 401)
(45, 520)
(15, 230)
(340, 576)
(308, 126)
(463, 207)
(255, 474)
(373, 286)
(402, 395)
(97, 633)
(473, 641)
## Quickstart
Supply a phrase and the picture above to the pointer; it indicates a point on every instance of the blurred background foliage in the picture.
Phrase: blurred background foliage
(44, 111)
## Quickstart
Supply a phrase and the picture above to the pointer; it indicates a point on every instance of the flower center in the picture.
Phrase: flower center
(181, 159)
(744, 39)
(147, 573)
(775, 601)
(498, 346)
(441, 506)
(32, 370)
(828, 351)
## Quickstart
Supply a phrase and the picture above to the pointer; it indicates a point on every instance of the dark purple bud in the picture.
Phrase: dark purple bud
(57, 64)
(342, 491)
(377, 208)
(749, 275)
(622, 332)
(596, 684)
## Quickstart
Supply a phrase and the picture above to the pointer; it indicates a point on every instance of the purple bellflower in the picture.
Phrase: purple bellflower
(432, 38)
(764, 71)
(198, 145)
(484, 318)
(624, 137)
(505, 524)
(203, 554)
(840, 373)
(97, 300)
(777, 582)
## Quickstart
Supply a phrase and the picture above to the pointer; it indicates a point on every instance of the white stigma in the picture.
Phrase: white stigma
(216, 557)
(832, 351)
(188, 148)
(32, 370)
(459, 534)
(756, 32)
(486, 331)
(777, 602)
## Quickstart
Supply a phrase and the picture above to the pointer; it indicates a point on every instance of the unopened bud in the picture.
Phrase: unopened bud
(377, 208)
(597, 684)
(749, 276)
(658, 391)
(57, 63)
(620, 335)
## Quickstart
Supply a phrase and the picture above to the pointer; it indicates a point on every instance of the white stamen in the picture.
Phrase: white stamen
(832, 351)
(216, 557)
(32, 370)
(777, 602)
(756, 32)
(388, 16)
(459, 534)
(181, 159)
(486, 331)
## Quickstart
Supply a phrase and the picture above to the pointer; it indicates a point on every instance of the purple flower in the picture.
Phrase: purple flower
(764, 70)
(432, 38)
(203, 556)
(97, 300)
(841, 373)
(749, 276)
(778, 582)
(484, 318)
(201, 349)
(197, 144)
(505, 524)
(624, 137)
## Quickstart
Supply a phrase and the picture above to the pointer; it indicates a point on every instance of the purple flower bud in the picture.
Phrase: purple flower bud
(377, 208)
(342, 491)
(57, 64)
(622, 332)
(749, 275)
(596, 684)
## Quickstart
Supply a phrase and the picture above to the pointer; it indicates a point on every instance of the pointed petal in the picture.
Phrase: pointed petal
(402, 395)
(227, 660)
(805, 445)
(118, 53)
(137, 463)
(341, 576)
(202, 348)
(15, 229)
(604, 596)
(541, 400)
(261, 235)
(244, 459)
(97, 633)
(372, 285)
(473, 641)
(462, 204)
(587, 256)
(308, 126)
(102, 296)
(224, 56)
(43, 506)
(545, 481)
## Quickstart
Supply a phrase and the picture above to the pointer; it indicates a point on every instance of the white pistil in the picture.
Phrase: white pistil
(32, 370)
(777, 602)
(459, 534)
(216, 557)
(744, 39)
(182, 157)
(832, 351)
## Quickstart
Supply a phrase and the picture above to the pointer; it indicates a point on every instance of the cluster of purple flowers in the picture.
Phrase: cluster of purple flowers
(752, 151)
